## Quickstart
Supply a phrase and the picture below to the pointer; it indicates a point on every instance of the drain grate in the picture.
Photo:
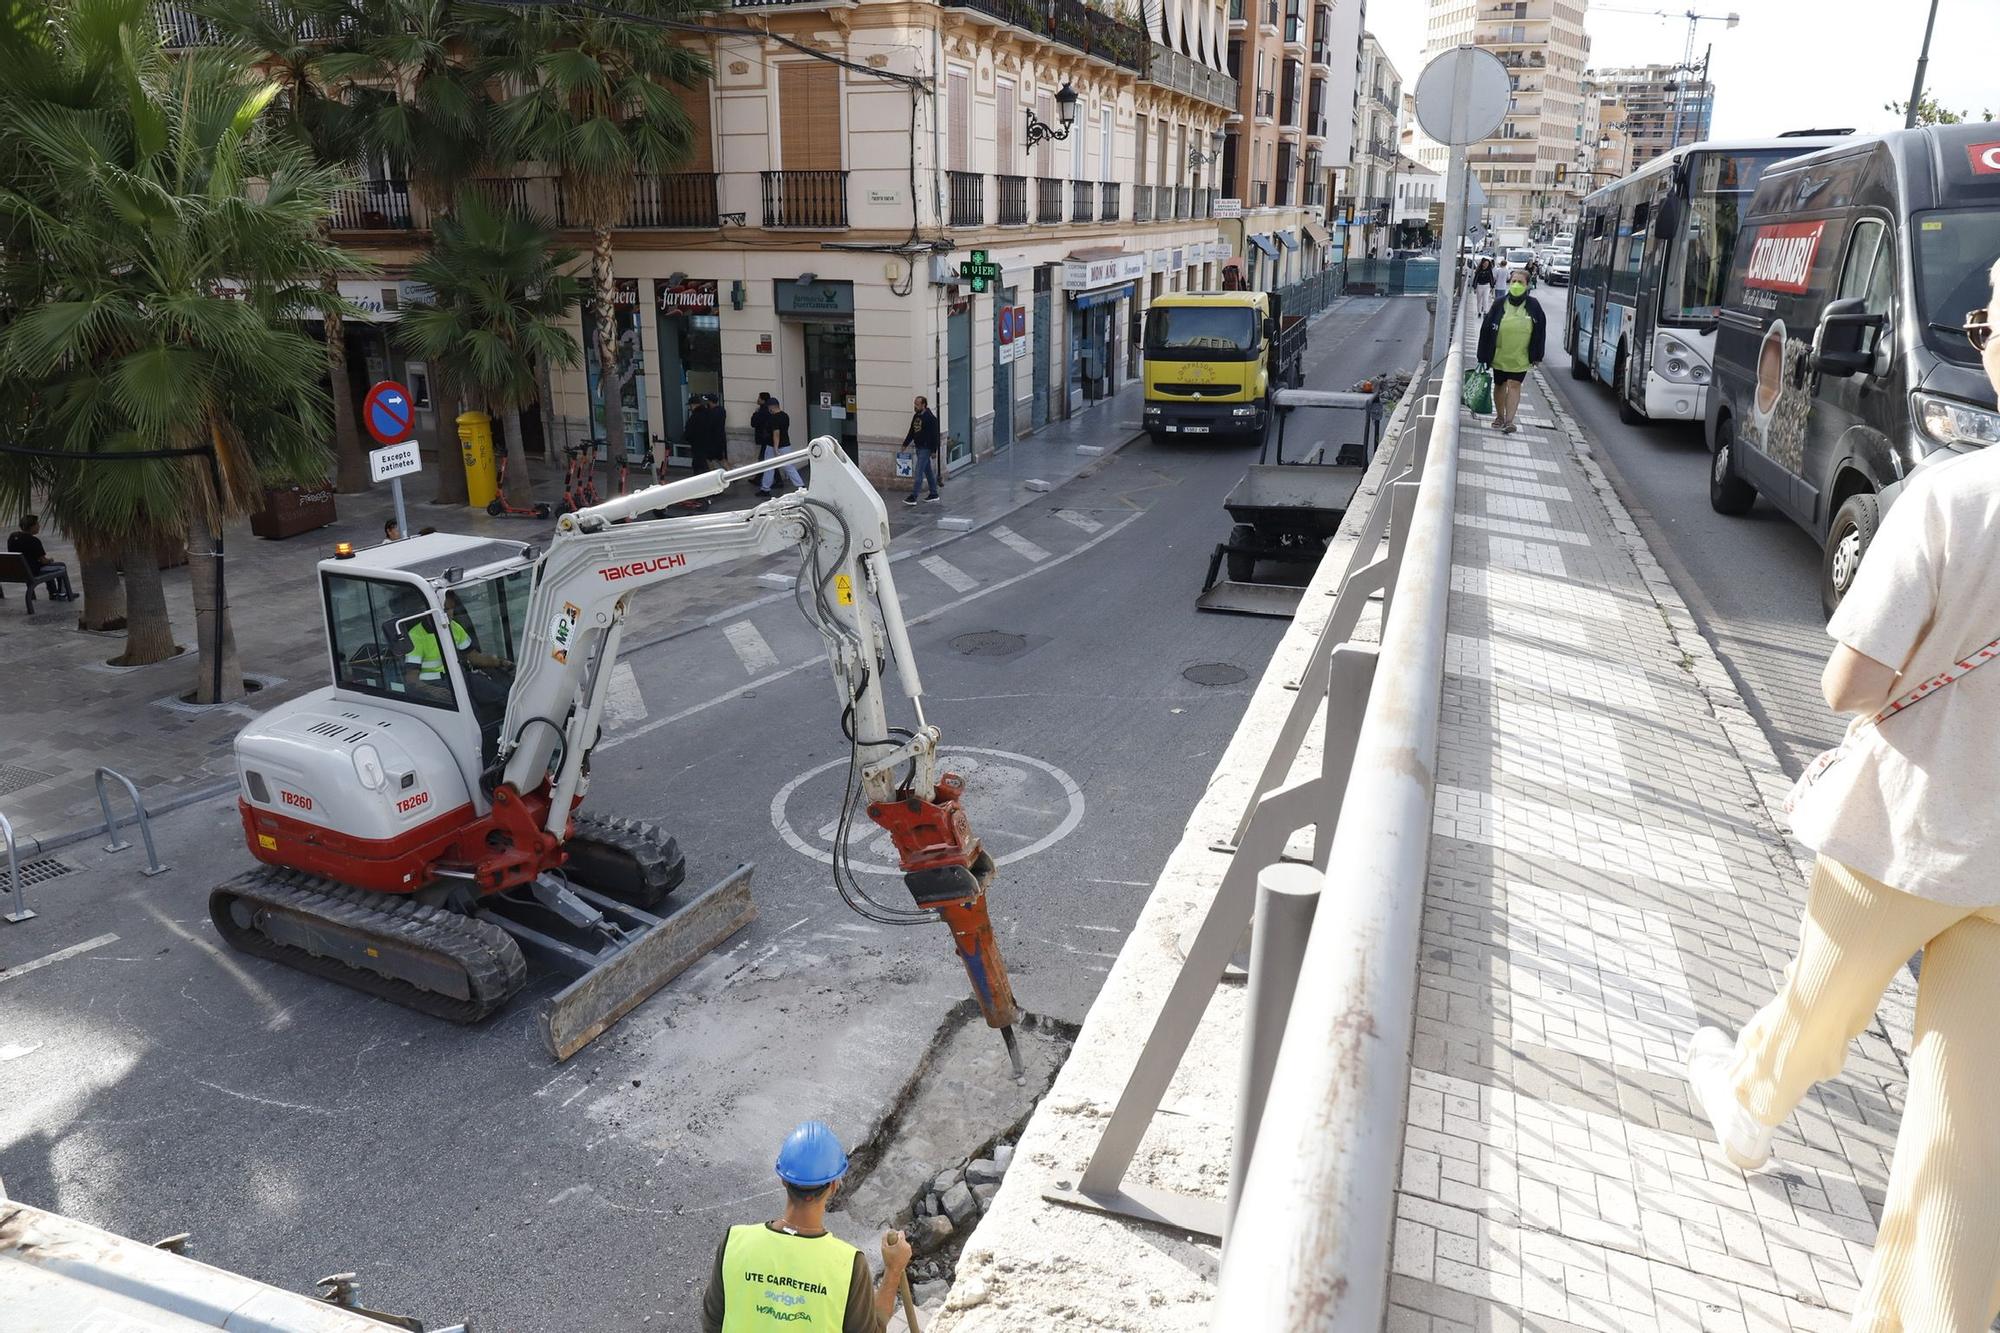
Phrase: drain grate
(43, 870)
(990, 643)
(1215, 673)
(14, 778)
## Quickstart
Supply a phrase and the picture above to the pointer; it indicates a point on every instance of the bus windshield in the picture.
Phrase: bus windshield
(1719, 187)
(1201, 332)
(1954, 257)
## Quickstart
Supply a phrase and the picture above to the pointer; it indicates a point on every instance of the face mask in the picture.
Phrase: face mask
(1516, 290)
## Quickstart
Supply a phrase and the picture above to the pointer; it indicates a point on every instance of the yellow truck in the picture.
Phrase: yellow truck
(1212, 360)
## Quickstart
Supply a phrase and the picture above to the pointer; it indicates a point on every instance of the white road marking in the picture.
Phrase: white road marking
(9, 973)
(16, 1051)
(1084, 521)
(949, 574)
(751, 650)
(1020, 545)
(623, 704)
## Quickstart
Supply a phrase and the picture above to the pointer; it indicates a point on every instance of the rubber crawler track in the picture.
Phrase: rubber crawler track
(487, 956)
(627, 859)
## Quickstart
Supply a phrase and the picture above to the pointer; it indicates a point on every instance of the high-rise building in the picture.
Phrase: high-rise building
(1542, 44)
(1665, 106)
(1369, 186)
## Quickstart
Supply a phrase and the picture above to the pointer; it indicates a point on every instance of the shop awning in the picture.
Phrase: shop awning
(1102, 296)
(1265, 243)
(1289, 239)
(1315, 235)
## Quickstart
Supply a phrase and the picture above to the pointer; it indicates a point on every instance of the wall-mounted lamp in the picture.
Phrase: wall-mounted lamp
(805, 279)
(1197, 158)
(1065, 112)
(675, 279)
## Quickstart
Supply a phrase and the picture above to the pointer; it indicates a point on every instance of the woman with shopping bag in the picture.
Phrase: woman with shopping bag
(1511, 340)
(1902, 817)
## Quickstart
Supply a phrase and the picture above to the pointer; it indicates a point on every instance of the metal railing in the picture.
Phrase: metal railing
(118, 844)
(1183, 202)
(685, 199)
(1108, 201)
(1142, 203)
(1048, 199)
(15, 895)
(1013, 201)
(382, 205)
(1082, 201)
(805, 199)
(968, 198)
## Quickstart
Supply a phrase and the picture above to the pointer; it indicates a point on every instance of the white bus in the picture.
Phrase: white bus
(1651, 253)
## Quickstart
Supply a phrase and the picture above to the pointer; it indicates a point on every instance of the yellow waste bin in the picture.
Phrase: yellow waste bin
(475, 441)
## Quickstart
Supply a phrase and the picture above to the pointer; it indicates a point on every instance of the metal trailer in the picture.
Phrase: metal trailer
(1286, 512)
(58, 1275)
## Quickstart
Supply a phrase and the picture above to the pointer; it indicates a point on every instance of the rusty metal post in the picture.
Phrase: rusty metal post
(1287, 895)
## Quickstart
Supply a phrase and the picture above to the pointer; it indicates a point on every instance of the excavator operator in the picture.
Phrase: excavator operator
(487, 676)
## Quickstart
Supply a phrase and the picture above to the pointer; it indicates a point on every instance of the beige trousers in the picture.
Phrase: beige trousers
(1936, 1265)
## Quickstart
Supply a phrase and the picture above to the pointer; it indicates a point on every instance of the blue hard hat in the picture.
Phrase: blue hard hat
(811, 1157)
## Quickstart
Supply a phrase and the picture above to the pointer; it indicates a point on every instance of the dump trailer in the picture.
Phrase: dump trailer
(1213, 360)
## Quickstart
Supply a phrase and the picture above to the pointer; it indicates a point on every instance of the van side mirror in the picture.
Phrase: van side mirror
(1844, 345)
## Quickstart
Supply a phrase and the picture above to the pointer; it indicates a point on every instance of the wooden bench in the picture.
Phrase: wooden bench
(14, 569)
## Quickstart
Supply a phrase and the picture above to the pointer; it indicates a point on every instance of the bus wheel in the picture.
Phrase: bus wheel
(1846, 542)
(1579, 369)
(1620, 390)
(1727, 492)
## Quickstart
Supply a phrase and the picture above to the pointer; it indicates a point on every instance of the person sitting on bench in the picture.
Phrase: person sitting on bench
(24, 543)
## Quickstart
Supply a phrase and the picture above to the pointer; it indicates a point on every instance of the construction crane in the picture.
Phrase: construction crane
(1687, 66)
(418, 821)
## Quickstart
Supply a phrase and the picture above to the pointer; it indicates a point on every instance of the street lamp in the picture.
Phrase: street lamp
(1197, 158)
(1065, 112)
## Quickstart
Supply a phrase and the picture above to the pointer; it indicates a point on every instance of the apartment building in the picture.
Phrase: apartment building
(1297, 66)
(1664, 106)
(1369, 186)
(1417, 189)
(1543, 46)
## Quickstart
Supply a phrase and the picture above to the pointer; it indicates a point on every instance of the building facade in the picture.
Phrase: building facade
(1663, 107)
(1543, 46)
(1369, 186)
(1417, 189)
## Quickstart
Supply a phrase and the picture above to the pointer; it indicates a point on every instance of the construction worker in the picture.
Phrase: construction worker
(428, 658)
(790, 1274)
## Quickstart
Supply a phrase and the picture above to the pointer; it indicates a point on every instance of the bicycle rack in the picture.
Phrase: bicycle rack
(16, 895)
(118, 844)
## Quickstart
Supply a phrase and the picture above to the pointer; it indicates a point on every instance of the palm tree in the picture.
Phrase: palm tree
(590, 100)
(161, 228)
(290, 42)
(499, 301)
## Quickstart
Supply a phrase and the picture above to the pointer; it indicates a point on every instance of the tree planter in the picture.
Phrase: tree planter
(291, 510)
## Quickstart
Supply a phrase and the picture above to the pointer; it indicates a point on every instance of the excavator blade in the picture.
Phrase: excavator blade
(622, 977)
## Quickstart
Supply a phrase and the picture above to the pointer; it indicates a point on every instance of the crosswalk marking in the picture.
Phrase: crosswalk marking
(949, 574)
(1020, 545)
(755, 654)
(1084, 521)
(623, 704)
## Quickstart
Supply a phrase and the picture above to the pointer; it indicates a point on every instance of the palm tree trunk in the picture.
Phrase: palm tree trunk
(520, 491)
(103, 594)
(201, 582)
(149, 636)
(604, 297)
(351, 460)
(450, 462)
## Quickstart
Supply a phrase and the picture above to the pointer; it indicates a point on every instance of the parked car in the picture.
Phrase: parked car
(1841, 366)
(1555, 267)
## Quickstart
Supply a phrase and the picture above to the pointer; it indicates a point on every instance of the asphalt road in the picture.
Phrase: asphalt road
(1752, 582)
(157, 1082)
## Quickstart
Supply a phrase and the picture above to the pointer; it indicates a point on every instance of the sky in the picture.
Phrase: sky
(1790, 64)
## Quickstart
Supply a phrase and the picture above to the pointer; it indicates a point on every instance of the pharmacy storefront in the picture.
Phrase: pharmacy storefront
(688, 318)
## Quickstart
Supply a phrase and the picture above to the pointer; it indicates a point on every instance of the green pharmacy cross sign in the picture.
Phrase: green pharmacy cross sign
(978, 271)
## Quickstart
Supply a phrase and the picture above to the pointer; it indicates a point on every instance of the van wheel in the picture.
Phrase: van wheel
(1846, 542)
(1627, 413)
(1727, 492)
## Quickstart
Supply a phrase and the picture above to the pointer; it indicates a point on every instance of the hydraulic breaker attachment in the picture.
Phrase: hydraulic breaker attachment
(946, 869)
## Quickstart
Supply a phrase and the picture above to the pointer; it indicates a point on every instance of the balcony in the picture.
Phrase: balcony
(1384, 98)
(1204, 203)
(1013, 201)
(1142, 203)
(683, 200)
(1183, 202)
(1322, 54)
(1082, 201)
(813, 199)
(1171, 69)
(180, 28)
(968, 198)
(528, 196)
(1071, 23)
(1265, 105)
(1384, 150)
(382, 205)
(1048, 199)
(1295, 29)
(1267, 17)
(1107, 201)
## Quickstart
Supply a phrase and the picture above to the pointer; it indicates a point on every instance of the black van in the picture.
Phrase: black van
(1840, 364)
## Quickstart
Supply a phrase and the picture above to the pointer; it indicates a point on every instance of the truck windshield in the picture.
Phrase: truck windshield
(1954, 257)
(1719, 187)
(1196, 333)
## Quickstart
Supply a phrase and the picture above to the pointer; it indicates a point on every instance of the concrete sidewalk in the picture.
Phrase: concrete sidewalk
(68, 712)
(1606, 873)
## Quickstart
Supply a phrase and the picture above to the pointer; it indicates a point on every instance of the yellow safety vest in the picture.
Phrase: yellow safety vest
(424, 649)
(772, 1280)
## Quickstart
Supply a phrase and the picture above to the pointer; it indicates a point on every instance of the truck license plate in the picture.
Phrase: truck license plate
(1195, 430)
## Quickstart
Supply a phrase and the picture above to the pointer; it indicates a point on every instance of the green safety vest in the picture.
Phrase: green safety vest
(424, 648)
(772, 1280)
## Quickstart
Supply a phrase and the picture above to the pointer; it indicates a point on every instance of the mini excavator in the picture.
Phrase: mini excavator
(419, 821)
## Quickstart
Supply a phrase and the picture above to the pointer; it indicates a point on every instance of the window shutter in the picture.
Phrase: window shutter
(1003, 100)
(701, 131)
(1045, 152)
(1139, 163)
(958, 125)
(809, 116)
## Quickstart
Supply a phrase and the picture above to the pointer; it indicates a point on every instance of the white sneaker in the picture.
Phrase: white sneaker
(1743, 1141)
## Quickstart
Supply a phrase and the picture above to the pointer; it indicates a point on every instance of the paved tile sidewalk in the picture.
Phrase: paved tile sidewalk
(1604, 875)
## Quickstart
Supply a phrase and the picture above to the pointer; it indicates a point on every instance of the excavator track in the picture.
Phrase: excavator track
(627, 859)
(430, 959)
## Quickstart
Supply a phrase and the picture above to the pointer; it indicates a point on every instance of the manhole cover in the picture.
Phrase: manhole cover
(42, 871)
(1215, 673)
(15, 778)
(989, 643)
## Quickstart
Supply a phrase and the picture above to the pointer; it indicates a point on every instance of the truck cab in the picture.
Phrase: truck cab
(1212, 360)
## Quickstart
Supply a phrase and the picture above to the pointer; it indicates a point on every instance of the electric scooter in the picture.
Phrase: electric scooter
(500, 508)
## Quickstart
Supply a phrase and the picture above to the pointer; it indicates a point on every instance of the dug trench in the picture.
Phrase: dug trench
(934, 1163)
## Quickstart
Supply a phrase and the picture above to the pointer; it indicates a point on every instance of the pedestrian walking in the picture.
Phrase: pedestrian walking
(26, 542)
(771, 425)
(1511, 340)
(922, 439)
(790, 1274)
(1902, 820)
(1482, 283)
